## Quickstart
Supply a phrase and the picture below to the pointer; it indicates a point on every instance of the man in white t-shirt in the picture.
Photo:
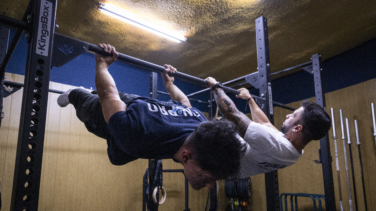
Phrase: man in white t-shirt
(268, 148)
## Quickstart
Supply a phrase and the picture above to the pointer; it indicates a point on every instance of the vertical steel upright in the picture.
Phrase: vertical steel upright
(4, 39)
(325, 156)
(152, 162)
(28, 166)
(265, 89)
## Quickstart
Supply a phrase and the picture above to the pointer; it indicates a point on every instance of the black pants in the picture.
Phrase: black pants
(89, 111)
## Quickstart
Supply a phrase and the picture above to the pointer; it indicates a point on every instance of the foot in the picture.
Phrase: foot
(63, 99)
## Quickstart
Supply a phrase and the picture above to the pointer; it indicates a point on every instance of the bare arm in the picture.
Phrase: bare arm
(172, 89)
(228, 108)
(106, 87)
(257, 114)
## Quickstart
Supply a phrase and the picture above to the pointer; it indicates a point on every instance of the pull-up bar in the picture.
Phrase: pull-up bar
(158, 68)
(122, 57)
(129, 59)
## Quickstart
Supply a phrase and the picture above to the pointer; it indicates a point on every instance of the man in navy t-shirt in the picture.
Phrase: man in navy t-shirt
(138, 127)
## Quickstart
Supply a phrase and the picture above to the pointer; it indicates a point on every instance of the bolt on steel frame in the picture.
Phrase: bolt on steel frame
(42, 39)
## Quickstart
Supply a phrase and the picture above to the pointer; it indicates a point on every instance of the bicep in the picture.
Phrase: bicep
(111, 106)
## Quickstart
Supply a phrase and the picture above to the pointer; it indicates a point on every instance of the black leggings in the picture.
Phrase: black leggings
(89, 111)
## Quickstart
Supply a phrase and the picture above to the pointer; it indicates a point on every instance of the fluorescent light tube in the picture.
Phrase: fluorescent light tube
(123, 15)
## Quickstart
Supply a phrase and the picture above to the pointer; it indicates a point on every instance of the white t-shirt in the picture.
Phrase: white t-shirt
(267, 150)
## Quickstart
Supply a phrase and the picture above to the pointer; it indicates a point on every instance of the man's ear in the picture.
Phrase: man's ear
(297, 128)
(186, 156)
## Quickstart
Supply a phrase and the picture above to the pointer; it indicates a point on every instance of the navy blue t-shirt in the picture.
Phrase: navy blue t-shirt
(151, 129)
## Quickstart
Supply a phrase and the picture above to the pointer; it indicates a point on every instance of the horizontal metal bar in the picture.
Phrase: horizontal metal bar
(200, 101)
(173, 170)
(13, 23)
(122, 57)
(257, 97)
(150, 66)
(283, 106)
(11, 49)
(128, 59)
(15, 39)
(243, 77)
(225, 83)
(19, 85)
(291, 68)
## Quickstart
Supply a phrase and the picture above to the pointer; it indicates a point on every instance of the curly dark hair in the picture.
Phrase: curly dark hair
(216, 148)
(316, 122)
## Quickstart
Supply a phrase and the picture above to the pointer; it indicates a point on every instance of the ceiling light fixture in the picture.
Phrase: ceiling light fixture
(126, 16)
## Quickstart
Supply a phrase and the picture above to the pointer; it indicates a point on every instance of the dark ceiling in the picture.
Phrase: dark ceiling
(220, 33)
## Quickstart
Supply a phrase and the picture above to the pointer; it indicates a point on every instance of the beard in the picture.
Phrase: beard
(284, 129)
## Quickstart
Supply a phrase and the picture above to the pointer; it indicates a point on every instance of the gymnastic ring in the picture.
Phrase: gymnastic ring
(164, 195)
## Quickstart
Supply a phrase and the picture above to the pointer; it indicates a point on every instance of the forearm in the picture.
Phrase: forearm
(229, 110)
(257, 114)
(175, 92)
(105, 84)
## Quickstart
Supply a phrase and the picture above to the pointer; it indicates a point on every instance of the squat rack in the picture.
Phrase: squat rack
(45, 51)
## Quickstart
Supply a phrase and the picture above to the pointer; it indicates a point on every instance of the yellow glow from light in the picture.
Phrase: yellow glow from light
(128, 17)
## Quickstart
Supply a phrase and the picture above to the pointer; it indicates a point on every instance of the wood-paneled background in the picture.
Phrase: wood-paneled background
(77, 174)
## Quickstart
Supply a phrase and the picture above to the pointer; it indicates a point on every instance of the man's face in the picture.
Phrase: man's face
(197, 177)
(291, 120)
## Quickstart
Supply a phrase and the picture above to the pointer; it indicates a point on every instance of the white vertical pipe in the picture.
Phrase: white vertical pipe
(345, 156)
(348, 131)
(356, 132)
(374, 123)
(337, 161)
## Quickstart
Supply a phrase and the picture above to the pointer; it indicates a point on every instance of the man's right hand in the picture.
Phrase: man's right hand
(244, 94)
(106, 61)
(167, 79)
(211, 81)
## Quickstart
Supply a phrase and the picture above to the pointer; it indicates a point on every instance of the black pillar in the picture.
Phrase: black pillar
(4, 39)
(265, 89)
(34, 107)
(326, 158)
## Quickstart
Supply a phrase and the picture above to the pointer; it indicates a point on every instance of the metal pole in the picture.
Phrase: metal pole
(265, 90)
(4, 38)
(19, 85)
(191, 99)
(361, 164)
(337, 162)
(345, 156)
(122, 57)
(325, 155)
(153, 163)
(28, 164)
(243, 77)
(14, 23)
(16, 39)
(351, 162)
(291, 68)
(373, 120)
